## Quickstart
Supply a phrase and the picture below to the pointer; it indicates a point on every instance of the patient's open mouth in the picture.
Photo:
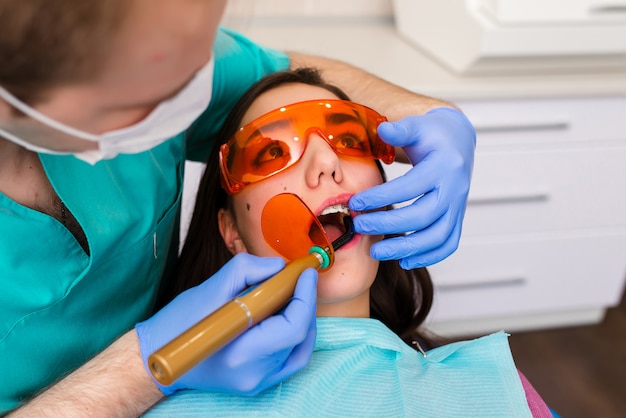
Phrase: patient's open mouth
(332, 220)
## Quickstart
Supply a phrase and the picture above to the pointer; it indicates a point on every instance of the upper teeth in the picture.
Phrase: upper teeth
(340, 208)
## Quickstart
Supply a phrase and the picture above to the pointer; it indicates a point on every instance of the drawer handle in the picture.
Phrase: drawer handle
(539, 126)
(608, 9)
(517, 198)
(481, 284)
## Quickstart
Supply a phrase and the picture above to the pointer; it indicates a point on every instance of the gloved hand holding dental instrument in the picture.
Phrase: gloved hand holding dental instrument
(281, 347)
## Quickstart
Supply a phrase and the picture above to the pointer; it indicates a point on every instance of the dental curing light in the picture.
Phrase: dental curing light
(259, 302)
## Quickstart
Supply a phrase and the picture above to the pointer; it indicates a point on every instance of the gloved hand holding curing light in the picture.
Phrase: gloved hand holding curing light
(440, 145)
(261, 357)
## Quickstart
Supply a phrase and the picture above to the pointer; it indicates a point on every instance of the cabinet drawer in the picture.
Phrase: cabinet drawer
(547, 121)
(532, 191)
(529, 191)
(488, 277)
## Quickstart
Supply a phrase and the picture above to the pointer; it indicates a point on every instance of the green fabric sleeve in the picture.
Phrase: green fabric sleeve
(239, 63)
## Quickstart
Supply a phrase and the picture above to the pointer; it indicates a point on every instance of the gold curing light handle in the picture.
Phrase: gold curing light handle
(180, 355)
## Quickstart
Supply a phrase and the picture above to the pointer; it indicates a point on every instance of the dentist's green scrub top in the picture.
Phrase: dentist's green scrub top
(60, 306)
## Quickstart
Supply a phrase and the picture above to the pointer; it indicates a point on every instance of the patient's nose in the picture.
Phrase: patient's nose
(322, 162)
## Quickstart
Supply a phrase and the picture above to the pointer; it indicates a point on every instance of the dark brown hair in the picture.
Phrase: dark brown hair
(399, 298)
(48, 43)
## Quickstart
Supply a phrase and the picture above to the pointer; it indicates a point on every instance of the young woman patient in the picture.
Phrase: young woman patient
(294, 133)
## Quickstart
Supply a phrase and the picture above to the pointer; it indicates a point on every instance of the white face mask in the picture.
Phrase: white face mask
(168, 119)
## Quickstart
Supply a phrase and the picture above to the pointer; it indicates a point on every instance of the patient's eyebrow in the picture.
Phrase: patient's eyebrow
(338, 118)
(282, 123)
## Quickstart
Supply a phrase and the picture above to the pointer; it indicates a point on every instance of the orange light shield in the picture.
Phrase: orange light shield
(291, 229)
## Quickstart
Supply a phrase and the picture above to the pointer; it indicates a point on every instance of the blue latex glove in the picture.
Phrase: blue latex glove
(264, 355)
(440, 145)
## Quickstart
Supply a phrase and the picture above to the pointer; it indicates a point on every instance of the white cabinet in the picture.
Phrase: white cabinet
(544, 238)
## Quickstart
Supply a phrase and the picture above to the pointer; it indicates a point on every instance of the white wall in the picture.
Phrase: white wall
(272, 9)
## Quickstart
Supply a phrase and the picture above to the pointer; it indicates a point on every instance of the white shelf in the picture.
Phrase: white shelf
(377, 47)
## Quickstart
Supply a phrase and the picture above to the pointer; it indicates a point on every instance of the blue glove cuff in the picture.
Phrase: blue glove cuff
(144, 341)
(457, 114)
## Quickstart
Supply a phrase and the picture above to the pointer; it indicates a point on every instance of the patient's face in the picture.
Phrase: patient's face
(321, 178)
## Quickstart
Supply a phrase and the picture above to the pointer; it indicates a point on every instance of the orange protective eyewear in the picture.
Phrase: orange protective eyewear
(277, 140)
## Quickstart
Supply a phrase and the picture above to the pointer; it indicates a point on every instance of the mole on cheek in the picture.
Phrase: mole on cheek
(248, 206)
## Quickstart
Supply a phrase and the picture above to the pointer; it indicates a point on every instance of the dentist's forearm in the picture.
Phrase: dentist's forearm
(389, 99)
(112, 384)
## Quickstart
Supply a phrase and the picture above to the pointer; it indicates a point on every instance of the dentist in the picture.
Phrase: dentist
(101, 103)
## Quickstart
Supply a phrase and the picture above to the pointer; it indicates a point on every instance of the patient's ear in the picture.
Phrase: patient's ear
(230, 233)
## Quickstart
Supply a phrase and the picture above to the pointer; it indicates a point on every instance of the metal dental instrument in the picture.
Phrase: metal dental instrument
(252, 306)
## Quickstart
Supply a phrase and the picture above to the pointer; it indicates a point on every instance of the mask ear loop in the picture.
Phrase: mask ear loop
(41, 118)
